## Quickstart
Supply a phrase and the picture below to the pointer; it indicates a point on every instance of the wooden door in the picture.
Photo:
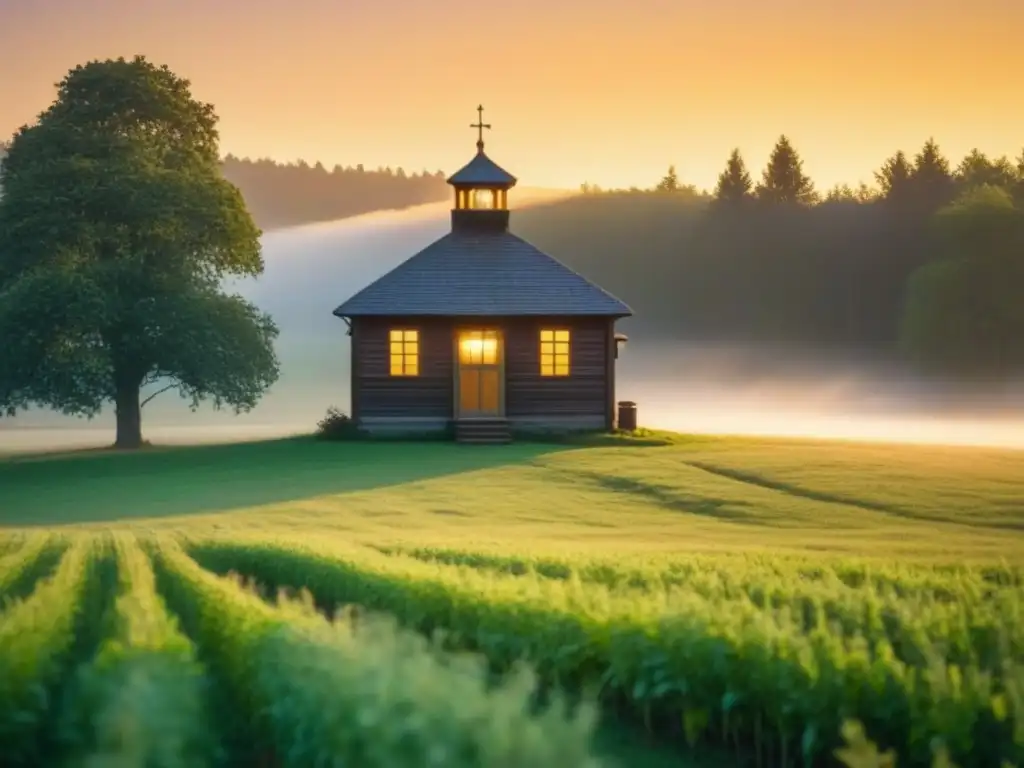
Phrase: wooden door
(480, 374)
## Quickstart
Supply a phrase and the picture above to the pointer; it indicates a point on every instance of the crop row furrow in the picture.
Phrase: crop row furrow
(728, 670)
(317, 693)
(141, 700)
(22, 568)
(10, 542)
(40, 639)
(941, 582)
(974, 621)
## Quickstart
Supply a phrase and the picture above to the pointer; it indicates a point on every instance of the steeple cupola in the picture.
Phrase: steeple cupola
(481, 189)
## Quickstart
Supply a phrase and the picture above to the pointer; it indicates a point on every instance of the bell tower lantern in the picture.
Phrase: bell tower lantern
(481, 190)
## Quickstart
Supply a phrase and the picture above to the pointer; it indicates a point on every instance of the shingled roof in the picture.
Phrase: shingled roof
(483, 171)
(482, 273)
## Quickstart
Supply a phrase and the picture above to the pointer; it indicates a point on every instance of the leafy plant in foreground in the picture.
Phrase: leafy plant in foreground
(970, 613)
(731, 671)
(860, 752)
(337, 425)
(37, 643)
(141, 700)
(22, 568)
(9, 543)
(354, 693)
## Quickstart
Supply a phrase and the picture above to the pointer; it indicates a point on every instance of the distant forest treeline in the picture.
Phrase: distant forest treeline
(783, 179)
(283, 195)
(771, 261)
(289, 194)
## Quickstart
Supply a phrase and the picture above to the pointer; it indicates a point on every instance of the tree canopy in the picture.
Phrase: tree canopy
(837, 276)
(894, 177)
(784, 180)
(669, 182)
(734, 183)
(116, 230)
(964, 314)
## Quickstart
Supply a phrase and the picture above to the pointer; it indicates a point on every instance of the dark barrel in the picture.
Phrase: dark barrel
(627, 415)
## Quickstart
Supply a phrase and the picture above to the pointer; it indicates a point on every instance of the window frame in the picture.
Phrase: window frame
(407, 338)
(550, 341)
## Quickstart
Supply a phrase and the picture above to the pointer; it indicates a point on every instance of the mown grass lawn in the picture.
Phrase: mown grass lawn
(927, 504)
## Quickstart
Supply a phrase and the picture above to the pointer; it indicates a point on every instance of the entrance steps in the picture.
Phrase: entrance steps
(482, 431)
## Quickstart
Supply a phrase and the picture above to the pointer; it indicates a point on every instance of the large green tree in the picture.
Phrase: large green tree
(964, 315)
(116, 231)
(784, 180)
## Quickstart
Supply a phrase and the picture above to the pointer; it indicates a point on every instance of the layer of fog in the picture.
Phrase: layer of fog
(686, 387)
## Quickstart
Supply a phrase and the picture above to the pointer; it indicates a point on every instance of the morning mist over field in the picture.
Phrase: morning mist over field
(690, 385)
(329, 110)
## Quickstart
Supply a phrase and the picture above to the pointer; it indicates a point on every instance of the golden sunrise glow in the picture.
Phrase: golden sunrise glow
(554, 352)
(849, 82)
(478, 348)
(405, 352)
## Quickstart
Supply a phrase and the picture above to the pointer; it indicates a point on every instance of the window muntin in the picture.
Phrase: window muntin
(554, 352)
(404, 344)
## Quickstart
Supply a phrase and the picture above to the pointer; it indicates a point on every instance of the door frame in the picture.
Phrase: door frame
(457, 368)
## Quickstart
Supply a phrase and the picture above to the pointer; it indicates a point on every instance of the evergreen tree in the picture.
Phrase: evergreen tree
(841, 193)
(1018, 187)
(931, 180)
(894, 178)
(734, 183)
(670, 182)
(866, 194)
(977, 170)
(784, 180)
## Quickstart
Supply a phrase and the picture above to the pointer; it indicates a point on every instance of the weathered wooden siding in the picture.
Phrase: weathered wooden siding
(376, 394)
(579, 399)
(583, 399)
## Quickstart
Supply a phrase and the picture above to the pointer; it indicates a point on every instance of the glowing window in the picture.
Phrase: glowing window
(478, 348)
(483, 199)
(405, 352)
(554, 352)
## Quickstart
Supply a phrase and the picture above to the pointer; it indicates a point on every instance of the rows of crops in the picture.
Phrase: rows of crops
(758, 655)
(121, 656)
(120, 652)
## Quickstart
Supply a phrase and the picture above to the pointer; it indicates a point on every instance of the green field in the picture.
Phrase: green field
(710, 601)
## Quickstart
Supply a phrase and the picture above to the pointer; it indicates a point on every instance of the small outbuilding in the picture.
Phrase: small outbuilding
(481, 331)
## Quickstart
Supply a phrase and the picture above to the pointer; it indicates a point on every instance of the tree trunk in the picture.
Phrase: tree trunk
(129, 416)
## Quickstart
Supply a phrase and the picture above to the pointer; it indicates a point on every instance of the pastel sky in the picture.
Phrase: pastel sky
(607, 91)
